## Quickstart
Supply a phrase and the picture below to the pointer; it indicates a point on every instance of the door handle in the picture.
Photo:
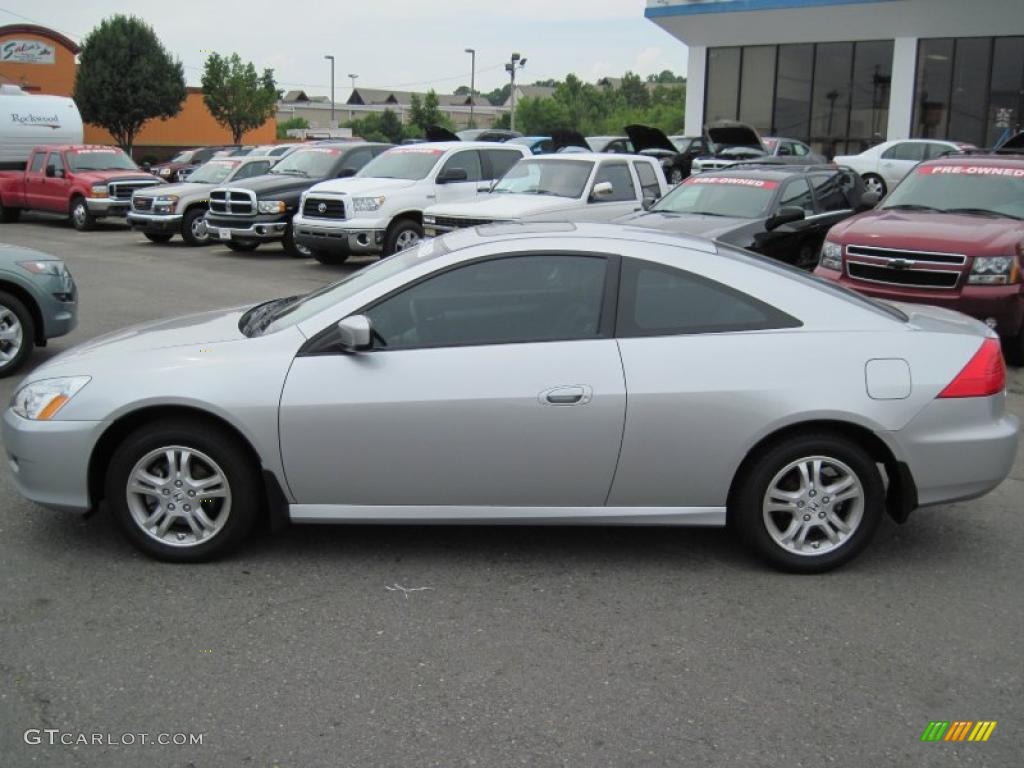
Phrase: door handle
(576, 394)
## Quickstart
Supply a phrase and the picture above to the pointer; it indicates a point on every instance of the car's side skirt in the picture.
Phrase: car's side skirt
(351, 513)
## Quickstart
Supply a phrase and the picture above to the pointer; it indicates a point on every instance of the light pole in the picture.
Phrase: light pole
(329, 56)
(517, 62)
(353, 79)
(472, 84)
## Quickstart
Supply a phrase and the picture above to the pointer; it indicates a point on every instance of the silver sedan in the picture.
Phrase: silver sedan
(545, 373)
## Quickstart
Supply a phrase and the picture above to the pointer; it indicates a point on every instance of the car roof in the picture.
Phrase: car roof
(768, 171)
(446, 145)
(470, 236)
(983, 159)
(585, 155)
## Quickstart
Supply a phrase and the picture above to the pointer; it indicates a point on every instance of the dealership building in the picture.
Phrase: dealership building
(846, 74)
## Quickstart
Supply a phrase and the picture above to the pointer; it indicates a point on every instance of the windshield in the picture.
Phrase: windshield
(562, 178)
(720, 196)
(981, 189)
(100, 160)
(681, 143)
(213, 172)
(311, 163)
(411, 163)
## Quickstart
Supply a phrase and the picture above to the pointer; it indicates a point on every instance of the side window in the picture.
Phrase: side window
(797, 194)
(621, 180)
(785, 149)
(57, 161)
(905, 150)
(648, 180)
(800, 150)
(499, 161)
(468, 160)
(500, 301)
(938, 150)
(37, 162)
(253, 169)
(829, 192)
(657, 300)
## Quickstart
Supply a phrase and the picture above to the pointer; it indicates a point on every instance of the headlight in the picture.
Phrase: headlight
(429, 220)
(367, 203)
(41, 400)
(99, 190)
(165, 171)
(831, 256)
(271, 206)
(55, 268)
(993, 270)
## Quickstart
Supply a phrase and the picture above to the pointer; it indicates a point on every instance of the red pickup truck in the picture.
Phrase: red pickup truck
(951, 234)
(85, 182)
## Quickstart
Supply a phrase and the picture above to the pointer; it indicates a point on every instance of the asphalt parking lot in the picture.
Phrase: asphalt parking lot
(439, 646)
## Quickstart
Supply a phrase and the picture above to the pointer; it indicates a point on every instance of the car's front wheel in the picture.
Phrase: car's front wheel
(81, 219)
(809, 503)
(874, 183)
(183, 491)
(193, 227)
(403, 234)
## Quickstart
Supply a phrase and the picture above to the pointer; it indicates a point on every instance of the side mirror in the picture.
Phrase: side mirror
(452, 175)
(51, 171)
(485, 187)
(602, 190)
(868, 201)
(355, 333)
(345, 173)
(785, 215)
(649, 202)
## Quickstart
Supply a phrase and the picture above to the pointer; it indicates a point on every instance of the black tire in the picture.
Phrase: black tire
(81, 219)
(331, 258)
(158, 237)
(875, 183)
(232, 458)
(397, 231)
(27, 327)
(807, 256)
(243, 246)
(747, 515)
(9, 215)
(293, 249)
(1013, 349)
(190, 223)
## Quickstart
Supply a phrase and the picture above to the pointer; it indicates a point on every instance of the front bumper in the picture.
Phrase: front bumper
(226, 229)
(155, 222)
(339, 236)
(107, 206)
(49, 460)
(57, 299)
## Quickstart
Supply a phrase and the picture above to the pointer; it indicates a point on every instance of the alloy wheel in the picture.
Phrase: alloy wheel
(406, 239)
(12, 335)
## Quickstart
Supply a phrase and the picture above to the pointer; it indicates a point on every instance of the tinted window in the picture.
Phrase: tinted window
(723, 79)
(937, 150)
(799, 150)
(793, 90)
(500, 160)
(357, 158)
(797, 194)
(252, 169)
(829, 192)
(656, 300)
(756, 91)
(648, 180)
(621, 180)
(56, 161)
(720, 196)
(37, 162)
(311, 163)
(468, 160)
(500, 301)
(906, 150)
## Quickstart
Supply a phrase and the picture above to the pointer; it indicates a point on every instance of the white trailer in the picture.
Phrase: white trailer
(28, 120)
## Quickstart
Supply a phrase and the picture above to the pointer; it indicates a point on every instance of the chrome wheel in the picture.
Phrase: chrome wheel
(81, 215)
(178, 496)
(813, 505)
(407, 238)
(12, 335)
(199, 229)
(874, 184)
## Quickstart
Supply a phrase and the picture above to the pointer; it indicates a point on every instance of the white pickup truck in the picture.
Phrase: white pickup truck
(380, 209)
(585, 186)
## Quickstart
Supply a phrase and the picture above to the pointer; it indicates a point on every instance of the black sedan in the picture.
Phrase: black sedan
(781, 211)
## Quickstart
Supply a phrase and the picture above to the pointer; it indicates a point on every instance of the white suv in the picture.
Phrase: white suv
(583, 186)
(380, 209)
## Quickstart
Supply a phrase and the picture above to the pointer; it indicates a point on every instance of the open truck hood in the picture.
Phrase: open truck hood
(731, 133)
(645, 137)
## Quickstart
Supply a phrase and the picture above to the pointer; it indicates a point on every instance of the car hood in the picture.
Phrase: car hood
(272, 183)
(121, 175)
(940, 232)
(730, 133)
(685, 223)
(362, 185)
(645, 137)
(505, 206)
(182, 189)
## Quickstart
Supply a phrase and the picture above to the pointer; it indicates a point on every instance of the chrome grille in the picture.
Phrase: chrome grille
(918, 257)
(323, 208)
(142, 204)
(233, 202)
(123, 190)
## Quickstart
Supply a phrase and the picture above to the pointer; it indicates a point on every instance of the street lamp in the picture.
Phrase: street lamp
(353, 79)
(472, 84)
(329, 56)
(517, 62)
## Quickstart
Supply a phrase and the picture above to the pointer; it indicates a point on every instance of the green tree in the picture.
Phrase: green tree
(504, 120)
(426, 112)
(284, 126)
(237, 96)
(539, 117)
(379, 126)
(499, 96)
(391, 126)
(126, 78)
(634, 91)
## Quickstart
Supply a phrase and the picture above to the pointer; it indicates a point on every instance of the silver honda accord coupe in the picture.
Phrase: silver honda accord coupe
(546, 373)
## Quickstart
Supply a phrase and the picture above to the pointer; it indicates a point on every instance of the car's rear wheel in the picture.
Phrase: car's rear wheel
(183, 491)
(809, 503)
(81, 219)
(875, 183)
(193, 227)
(243, 246)
(17, 333)
(158, 237)
(403, 234)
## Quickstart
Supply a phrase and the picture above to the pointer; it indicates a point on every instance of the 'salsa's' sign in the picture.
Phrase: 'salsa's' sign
(27, 52)
(40, 121)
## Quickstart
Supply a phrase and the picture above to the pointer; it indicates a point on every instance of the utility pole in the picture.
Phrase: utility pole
(329, 56)
(472, 85)
(353, 79)
(517, 62)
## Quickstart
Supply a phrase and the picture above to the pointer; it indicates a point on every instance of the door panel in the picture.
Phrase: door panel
(455, 426)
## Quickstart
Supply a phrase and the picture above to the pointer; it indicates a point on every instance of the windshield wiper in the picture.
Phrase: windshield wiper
(706, 213)
(911, 207)
(981, 212)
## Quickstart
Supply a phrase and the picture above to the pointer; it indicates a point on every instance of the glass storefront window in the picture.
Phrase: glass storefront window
(793, 91)
(723, 81)
(830, 99)
(757, 87)
(1007, 100)
(869, 101)
(971, 66)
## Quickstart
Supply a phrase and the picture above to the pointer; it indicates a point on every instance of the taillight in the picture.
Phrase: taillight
(984, 374)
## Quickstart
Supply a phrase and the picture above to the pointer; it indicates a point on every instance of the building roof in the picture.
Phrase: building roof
(35, 29)
(370, 96)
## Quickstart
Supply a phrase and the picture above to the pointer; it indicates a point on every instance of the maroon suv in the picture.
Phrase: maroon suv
(951, 234)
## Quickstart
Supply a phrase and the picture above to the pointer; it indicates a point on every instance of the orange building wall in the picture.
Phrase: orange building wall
(57, 78)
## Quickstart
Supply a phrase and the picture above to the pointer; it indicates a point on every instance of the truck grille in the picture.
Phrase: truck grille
(919, 257)
(233, 202)
(142, 204)
(323, 208)
(912, 269)
(459, 222)
(123, 190)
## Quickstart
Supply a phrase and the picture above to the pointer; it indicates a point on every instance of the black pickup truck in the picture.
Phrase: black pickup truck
(260, 209)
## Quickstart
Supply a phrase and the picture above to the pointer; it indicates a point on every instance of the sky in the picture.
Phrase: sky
(400, 44)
